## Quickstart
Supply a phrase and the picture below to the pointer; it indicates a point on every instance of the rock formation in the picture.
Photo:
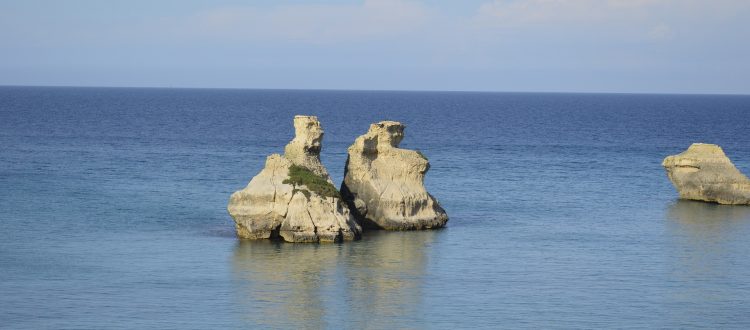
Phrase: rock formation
(384, 185)
(293, 196)
(304, 149)
(703, 172)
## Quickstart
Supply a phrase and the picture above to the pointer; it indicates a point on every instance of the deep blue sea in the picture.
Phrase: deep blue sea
(113, 213)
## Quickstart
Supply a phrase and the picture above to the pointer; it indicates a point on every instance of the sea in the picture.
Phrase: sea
(113, 213)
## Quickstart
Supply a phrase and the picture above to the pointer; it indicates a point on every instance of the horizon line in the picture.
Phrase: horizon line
(377, 90)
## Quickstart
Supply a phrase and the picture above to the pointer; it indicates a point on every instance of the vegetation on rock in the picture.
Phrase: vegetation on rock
(300, 176)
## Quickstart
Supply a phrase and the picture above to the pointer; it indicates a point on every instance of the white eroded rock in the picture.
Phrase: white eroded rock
(703, 172)
(304, 149)
(384, 185)
(276, 205)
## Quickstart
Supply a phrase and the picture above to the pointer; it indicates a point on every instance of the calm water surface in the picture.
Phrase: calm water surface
(112, 213)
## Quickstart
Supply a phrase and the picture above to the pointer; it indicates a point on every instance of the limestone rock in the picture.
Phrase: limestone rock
(384, 185)
(703, 172)
(293, 197)
(304, 149)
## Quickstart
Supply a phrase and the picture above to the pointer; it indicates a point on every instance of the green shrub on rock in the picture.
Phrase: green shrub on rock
(300, 176)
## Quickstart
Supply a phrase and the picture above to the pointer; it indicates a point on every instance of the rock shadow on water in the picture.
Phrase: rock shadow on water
(378, 279)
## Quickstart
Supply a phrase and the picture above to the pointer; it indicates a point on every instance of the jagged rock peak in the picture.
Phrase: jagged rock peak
(292, 197)
(384, 185)
(304, 149)
(388, 133)
(703, 172)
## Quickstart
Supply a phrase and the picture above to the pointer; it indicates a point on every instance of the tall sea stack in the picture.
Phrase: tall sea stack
(293, 197)
(384, 185)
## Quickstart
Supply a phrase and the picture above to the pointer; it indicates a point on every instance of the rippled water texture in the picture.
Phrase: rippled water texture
(112, 213)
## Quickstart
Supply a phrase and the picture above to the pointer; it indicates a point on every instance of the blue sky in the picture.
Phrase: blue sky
(653, 46)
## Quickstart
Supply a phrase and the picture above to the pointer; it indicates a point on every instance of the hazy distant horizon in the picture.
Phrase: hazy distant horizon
(373, 90)
(578, 46)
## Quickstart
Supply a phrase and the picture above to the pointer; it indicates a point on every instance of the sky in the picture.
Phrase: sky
(624, 46)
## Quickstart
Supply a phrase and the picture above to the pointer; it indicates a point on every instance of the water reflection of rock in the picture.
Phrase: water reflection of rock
(385, 278)
(705, 260)
(332, 285)
(694, 213)
(279, 285)
(701, 231)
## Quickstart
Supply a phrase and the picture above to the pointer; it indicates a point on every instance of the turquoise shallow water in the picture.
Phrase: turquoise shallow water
(112, 213)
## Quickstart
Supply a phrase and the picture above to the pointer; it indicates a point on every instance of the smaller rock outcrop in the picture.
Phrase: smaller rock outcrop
(384, 185)
(704, 173)
(293, 197)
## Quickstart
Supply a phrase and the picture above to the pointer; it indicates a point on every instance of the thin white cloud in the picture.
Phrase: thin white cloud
(312, 23)
(631, 19)
(660, 31)
(530, 13)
